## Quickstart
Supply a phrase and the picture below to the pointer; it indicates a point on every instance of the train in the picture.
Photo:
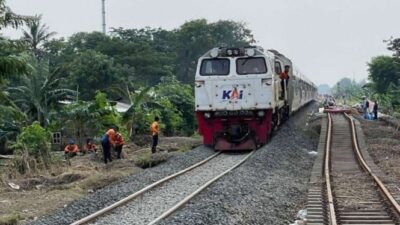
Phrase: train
(239, 99)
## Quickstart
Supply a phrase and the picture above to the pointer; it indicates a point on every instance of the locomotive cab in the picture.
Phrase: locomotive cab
(234, 97)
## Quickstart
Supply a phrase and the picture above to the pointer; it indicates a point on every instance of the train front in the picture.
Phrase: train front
(234, 98)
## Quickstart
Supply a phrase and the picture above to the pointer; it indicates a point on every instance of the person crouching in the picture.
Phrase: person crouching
(71, 149)
(89, 147)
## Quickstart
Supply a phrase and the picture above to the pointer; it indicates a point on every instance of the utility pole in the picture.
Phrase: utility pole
(104, 15)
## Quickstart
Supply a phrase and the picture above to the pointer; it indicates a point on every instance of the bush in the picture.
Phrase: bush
(32, 149)
(149, 160)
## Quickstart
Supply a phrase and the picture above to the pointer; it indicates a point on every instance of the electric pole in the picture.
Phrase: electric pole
(104, 15)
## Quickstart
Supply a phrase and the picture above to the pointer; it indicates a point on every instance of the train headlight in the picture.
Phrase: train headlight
(260, 113)
(229, 52)
(207, 115)
(214, 52)
(250, 52)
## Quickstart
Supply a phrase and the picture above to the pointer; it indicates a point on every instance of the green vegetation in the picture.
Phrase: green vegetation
(147, 159)
(72, 84)
(10, 220)
(384, 73)
(383, 85)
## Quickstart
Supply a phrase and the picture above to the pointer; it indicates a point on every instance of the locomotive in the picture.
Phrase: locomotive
(239, 99)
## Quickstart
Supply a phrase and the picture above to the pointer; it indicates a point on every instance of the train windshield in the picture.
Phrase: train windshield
(246, 66)
(210, 67)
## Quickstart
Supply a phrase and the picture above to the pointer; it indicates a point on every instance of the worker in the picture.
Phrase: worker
(375, 110)
(155, 129)
(284, 76)
(89, 147)
(365, 106)
(107, 141)
(119, 143)
(71, 149)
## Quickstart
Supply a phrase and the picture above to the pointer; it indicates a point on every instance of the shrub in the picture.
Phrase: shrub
(32, 149)
(149, 160)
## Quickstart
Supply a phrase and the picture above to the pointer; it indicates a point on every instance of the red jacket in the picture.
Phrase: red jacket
(71, 148)
(119, 140)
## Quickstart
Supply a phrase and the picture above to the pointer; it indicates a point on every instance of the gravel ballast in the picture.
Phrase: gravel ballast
(116, 191)
(152, 204)
(269, 188)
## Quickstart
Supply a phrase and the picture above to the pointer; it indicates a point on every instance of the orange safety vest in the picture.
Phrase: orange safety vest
(154, 128)
(284, 75)
(111, 136)
(71, 148)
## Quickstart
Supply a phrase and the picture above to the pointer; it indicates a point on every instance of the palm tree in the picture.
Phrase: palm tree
(36, 35)
(39, 92)
(9, 18)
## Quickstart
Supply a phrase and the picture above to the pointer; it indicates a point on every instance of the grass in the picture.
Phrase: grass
(147, 159)
(98, 181)
(10, 219)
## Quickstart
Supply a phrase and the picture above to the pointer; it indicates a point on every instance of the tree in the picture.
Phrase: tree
(11, 61)
(9, 18)
(36, 35)
(383, 71)
(39, 92)
(91, 71)
(394, 45)
(140, 102)
(89, 116)
(182, 100)
(33, 145)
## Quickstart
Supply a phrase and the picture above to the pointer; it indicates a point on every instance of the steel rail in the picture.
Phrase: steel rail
(332, 212)
(360, 158)
(189, 197)
(138, 193)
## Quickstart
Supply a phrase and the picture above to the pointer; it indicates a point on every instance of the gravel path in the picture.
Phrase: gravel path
(153, 203)
(269, 188)
(116, 191)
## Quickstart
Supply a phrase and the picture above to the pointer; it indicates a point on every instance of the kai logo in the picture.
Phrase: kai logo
(232, 94)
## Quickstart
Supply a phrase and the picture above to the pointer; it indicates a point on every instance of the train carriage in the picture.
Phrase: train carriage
(238, 96)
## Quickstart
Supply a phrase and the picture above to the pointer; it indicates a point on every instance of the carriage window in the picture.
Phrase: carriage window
(210, 67)
(250, 66)
(278, 68)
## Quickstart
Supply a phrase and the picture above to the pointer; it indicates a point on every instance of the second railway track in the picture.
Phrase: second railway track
(348, 191)
(159, 200)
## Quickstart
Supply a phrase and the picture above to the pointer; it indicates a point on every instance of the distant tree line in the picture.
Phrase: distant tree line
(383, 83)
(384, 74)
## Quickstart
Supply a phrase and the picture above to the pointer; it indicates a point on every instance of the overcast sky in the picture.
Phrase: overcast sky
(327, 40)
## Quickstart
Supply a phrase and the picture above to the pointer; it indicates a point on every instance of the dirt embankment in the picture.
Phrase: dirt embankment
(384, 146)
(27, 197)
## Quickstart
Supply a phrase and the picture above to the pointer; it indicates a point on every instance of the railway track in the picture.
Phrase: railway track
(344, 188)
(160, 199)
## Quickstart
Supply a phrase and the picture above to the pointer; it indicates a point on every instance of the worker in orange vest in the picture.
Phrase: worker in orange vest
(71, 149)
(155, 129)
(284, 76)
(107, 141)
(89, 147)
(119, 143)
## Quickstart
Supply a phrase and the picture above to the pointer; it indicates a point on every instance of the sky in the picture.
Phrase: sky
(326, 39)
